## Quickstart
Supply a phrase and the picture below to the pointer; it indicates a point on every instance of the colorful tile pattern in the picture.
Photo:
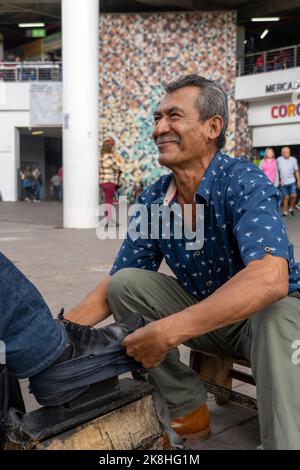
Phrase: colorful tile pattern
(140, 52)
(243, 133)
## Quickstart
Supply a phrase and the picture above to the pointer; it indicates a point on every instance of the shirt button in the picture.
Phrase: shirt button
(209, 283)
(267, 249)
(197, 253)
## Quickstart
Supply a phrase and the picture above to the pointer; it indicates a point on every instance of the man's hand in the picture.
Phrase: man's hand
(148, 345)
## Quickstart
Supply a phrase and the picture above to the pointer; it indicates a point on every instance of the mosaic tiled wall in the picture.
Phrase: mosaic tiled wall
(243, 133)
(137, 54)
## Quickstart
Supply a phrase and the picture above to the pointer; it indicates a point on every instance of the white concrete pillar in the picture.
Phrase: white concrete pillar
(80, 25)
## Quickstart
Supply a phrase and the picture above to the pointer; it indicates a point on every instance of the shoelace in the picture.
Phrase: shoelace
(73, 325)
(108, 333)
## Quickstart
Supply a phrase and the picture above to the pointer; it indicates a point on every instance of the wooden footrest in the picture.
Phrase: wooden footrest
(127, 422)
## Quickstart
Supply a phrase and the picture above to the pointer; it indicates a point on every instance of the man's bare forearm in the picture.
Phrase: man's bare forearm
(249, 291)
(94, 308)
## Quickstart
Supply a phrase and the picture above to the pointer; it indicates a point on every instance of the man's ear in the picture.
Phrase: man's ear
(215, 127)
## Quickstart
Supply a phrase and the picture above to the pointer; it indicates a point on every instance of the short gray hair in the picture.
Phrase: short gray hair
(212, 100)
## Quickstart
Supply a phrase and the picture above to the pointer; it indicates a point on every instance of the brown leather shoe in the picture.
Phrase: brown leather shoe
(193, 426)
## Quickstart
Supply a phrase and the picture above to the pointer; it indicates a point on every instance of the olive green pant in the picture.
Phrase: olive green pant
(266, 339)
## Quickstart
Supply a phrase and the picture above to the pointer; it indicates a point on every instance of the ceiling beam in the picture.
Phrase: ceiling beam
(51, 11)
(188, 4)
(193, 5)
(232, 3)
(29, 3)
(267, 7)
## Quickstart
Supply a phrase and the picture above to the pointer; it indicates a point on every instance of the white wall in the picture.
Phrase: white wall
(285, 134)
(14, 96)
(14, 113)
(9, 151)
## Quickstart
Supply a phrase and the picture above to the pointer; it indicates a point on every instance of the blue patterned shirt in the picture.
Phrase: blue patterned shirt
(242, 223)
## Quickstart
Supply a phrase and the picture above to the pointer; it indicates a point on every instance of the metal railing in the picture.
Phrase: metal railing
(30, 71)
(267, 61)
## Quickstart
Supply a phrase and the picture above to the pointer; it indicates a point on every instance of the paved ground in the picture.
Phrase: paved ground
(66, 264)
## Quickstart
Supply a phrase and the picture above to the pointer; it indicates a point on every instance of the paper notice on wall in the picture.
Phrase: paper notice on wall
(46, 104)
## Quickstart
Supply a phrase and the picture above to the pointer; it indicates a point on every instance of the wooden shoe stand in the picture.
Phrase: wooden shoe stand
(126, 421)
(217, 373)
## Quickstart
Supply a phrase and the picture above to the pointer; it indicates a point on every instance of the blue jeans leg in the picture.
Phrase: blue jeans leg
(37, 192)
(33, 339)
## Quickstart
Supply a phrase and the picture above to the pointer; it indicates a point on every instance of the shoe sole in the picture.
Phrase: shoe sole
(201, 435)
(197, 435)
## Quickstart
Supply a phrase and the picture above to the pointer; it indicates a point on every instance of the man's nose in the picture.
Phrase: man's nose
(161, 127)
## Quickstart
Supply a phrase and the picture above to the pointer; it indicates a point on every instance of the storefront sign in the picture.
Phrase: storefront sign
(273, 111)
(285, 86)
(38, 33)
(268, 84)
(285, 110)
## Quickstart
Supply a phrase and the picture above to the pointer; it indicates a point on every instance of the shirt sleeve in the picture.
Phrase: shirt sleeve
(253, 207)
(139, 250)
(296, 164)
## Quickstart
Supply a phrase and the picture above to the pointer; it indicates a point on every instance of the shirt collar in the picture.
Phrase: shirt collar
(212, 171)
(171, 192)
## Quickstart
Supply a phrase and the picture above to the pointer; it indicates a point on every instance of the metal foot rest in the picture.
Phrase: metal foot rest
(217, 373)
(116, 414)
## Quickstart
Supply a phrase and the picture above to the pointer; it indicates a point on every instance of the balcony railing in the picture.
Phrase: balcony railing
(30, 71)
(267, 61)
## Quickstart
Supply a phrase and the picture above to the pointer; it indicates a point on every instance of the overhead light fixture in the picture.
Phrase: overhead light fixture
(245, 41)
(265, 18)
(37, 132)
(31, 25)
(263, 35)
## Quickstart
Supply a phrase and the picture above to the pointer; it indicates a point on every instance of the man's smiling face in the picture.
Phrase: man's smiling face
(179, 134)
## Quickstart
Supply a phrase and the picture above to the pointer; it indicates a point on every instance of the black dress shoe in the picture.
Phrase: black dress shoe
(91, 356)
(86, 340)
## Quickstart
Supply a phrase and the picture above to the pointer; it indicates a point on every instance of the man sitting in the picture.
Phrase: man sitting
(237, 294)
